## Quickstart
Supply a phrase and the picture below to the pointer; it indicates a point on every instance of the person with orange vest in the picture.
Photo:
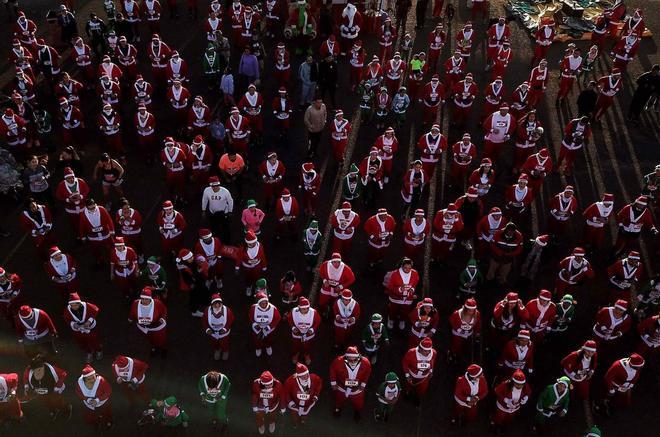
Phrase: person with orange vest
(418, 364)
(81, 317)
(301, 392)
(346, 312)
(580, 366)
(400, 287)
(267, 398)
(349, 374)
(470, 389)
(94, 391)
(336, 276)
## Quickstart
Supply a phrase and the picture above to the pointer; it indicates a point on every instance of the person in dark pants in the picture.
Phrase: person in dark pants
(586, 101)
(402, 7)
(68, 25)
(420, 13)
(647, 84)
(328, 79)
(95, 30)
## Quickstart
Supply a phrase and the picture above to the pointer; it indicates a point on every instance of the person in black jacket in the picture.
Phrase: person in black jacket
(328, 79)
(586, 101)
(95, 30)
(420, 13)
(68, 25)
(647, 84)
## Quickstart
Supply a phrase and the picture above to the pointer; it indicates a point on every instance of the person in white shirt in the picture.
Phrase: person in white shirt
(218, 203)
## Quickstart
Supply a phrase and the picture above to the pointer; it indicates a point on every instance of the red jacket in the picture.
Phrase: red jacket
(270, 176)
(431, 148)
(464, 93)
(432, 96)
(335, 280)
(344, 227)
(504, 248)
(514, 357)
(445, 230)
(417, 367)
(508, 321)
(379, 233)
(400, 287)
(88, 316)
(134, 373)
(125, 266)
(35, 229)
(131, 225)
(505, 400)
(171, 227)
(573, 366)
(536, 167)
(180, 99)
(461, 328)
(649, 331)
(621, 377)
(623, 275)
(303, 327)
(634, 222)
(348, 381)
(608, 326)
(466, 392)
(248, 108)
(218, 325)
(56, 373)
(344, 313)
(153, 320)
(100, 230)
(199, 116)
(246, 261)
(415, 235)
(574, 274)
(67, 273)
(562, 209)
(535, 320)
(97, 396)
(301, 399)
(41, 326)
(200, 160)
(267, 400)
(423, 325)
(73, 196)
(292, 210)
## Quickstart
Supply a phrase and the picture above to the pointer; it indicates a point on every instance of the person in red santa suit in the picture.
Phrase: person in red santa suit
(124, 267)
(130, 373)
(37, 221)
(238, 132)
(414, 183)
(510, 396)
(126, 55)
(44, 383)
(210, 248)
(145, 126)
(386, 38)
(537, 167)
(159, 53)
(251, 104)
(517, 355)
(94, 391)
(538, 82)
(464, 93)
(301, 392)
(447, 224)
(272, 172)
(387, 145)
(35, 331)
(623, 274)
(620, 379)
(379, 229)
(580, 366)
(217, 322)
(415, 231)
(463, 153)
(171, 225)
(10, 407)
(282, 111)
(235, 13)
(497, 34)
(128, 223)
(150, 315)
(349, 374)
(507, 316)
(418, 364)
(518, 198)
(336, 276)
(349, 28)
(424, 320)
(178, 96)
(176, 69)
(400, 287)
(109, 122)
(251, 260)
(608, 87)
(528, 132)
(199, 118)
(625, 50)
(22, 59)
(13, 130)
(635, 23)
(483, 177)
(649, 336)
(72, 123)
(310, 184)
(576, 134)
(267, 398)
(340, 128)
(612, 323)
(470, 388)
(264, 318)
(97, 228)
(346, 312)
(569, 68)
(250, 24)
(304, 322)
(344, 221)
(633, 219)
(286, 212)
(11, 286)
(81, 317)
(213, 23)
(356, 60)
(501, 60)
(436, 39)
(465, 325)
(562, 208)
(141, 91)
(494, 95)
(432, 96)
(48, 60)
(109, 91)
(574, 270)
(276, 14)
(151, 10)
(499, 127)
(330, 47)
(431, 145)
(544, 37)
(455, 68)
(70, 89)
(596, 216)
(199, 160)
(486, 228)
(61, 269)
(520, 100)
(540, 314)
(173, 159)
(24, 86)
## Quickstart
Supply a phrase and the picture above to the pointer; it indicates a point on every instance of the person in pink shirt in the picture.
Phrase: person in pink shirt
(252, 217)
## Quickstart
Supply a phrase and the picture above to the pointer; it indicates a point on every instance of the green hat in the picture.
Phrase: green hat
(261, 284)
(391, 377)
(251, 202)
(564, 380)
(472, 262)
(210, 47)
(353, 169)
(170, 401)
(314, 224)
(593, 432)
(567, 298)
(376, 318)
(152, 260)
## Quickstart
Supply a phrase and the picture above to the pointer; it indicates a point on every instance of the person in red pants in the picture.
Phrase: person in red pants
(97, 228)
(379, 229)
(349, 374)
(264, 318)
(346, 312)
(171, 225)
(130, 374)
(400, 288)
(304, 322)
(470, 388)
(81, 317)
(94, 391)
(510, 396)
(252, 261)
(621, 378)
(150, 316)
(45, 382)
(418, 364)
(10, 407)
(217, 322)
(465, 324)
(344, 221)
(336, 276)
(267, 397)
(580, 366)
(301, 392)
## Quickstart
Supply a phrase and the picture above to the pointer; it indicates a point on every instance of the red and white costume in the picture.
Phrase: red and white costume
(62, 272)
(569, 67)
(159, 53)
(97, 228)
(418, 368)
(596, 216)
(124, 266)
(447, 224)
(470, 388)
(431, 145)
(499, 128)
(83, 324)
(171, 225)
(400, 287)
(340, 128)
(300, 395)
(344, 222)
(33, 331)
(464, 93)
(335, 276)
(96, 399)
(415, 231)
(379, 229)
(303, 329)
(509, 399)
(251, 260)
(464, 327)
(540, 314)
(263, 322)
(349, 381)
(562, 208)
(251, 105)
(217, 325)
(580, 368)
(151, 319)
(346, 313)
(621, 378)
(238, 132)
(608, 87)
(623, 274)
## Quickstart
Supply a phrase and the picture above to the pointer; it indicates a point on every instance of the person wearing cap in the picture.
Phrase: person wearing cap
(193, 279)
(309, 185)
(579, 366)
(312, 241)
(431, 145)
(150, 315)
(620, 379)
(508, 313)
(267, 397)
(456, 66)
(199, 160)
(576, 133)
(483, 177)
(97, 228)
(44, 382)
(176, 70)
(517, 354)
(48, 59)
(272, 172)
(126, 55)
(282, 111)
(214, 390)
(494, 96)
(633, 219)
(464, 40)
(540, 315)
(436, 40)
(81, 317)
(158, 53)
(24, 86)
(538, 82)
(61, 268)
(178, 97)
(400, 287)
(169, 414)
(218, 204)
(264, 318)
(108, 88)
(211, 58)
(465, 325)
(387, 36)
(648, 331)
(518, 197)
(574, 270)
(151, 11)
(624, 274)
(217, 320)
(612, 323)
(379, 229)
(70, 89)
(346, 313)
(387, 394)
(37, 222)
(344, 221)
(469, 280)
(418, 363)
(498, 33)
(304, 322)
(520, 100)
(130, 374)
(300, 393)
(501, 60)
(351, 185)
(251, 259)
(340, 129)
(528, 132)
(154, 276)
(562, 207)
(349, 26)
(463, 153)
(505, 248)
(553, 401)
(328, 79)
(198, 119)
(544, 37)
(374, 335)
(10, 406)
(252, 217)
(282, 65)
(394, 70)
(387, 145)
(72, 123)
(510, 396)
(94, 391)
(251, 104)
(171, 225)
(145, 126)
(72, 191)
(371, 174)
(432, 95)
(210, 248)
(447, 225)
(423, 320)
(608, 87)
(356, 60)
(124, 267)
(565, 315)
(349, 374)
(569, 67)
(471, 207)
(415, 231)
(469, 390)
(596, 216)
(625, 49)
(174, 159)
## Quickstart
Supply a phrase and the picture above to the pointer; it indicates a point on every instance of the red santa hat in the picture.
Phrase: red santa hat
(286, 193)
(261, 296)
(636, 360)
(486, 161)
(633, 254)
(204, 233)
(303, 302)
(474, 371)
(519, 377)
(419, 212)
(616, 70)
(469, 76)
(198, 139)
(169, 141)
(621, 304)
(426, 344)
(495, 210)
(122, 38)
(544, 153)
(523, 177)
(470, 304)
(357, 44)
(545, 295)
(607, 197)
(234, 110)
(375, 58)
(346, 294)
(250, 237)
(339, 112)
(578, 251)
(16, 42)
(88, 371)
(589, 346)
(504, 106)
(282, 90)
(542, 240)
(266, 378)
(472, 192)
(642, 200)
(451, 208)
(54, 251)
(336, 256)
(271, 155)
(308, 167)
(352, 352)
(214, 181)
(427, 301)
(389, 130)
(346, 206)
(68, 172)
(523, 333)
(119, 241)
(301, 370)
(168, 204)
(121, 361)
(215, 297)
(511, 296)
(381, 211)
(25, 311)
(146, 293)
(435, 77)
(435, 127)
(569, 188)
(184, 255)
(63, 101)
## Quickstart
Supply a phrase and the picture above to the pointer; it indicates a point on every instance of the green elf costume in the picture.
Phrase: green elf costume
(469, 280)
(553, 400)
(214, 389)
(169, 413)
(565, 313)
(154, 276)
(351, 185)
(261, 286)
(374, 334)
(593, 432)
(387, 394)
(312, 240)
(211, 64)
(302, 27)
(367, 98)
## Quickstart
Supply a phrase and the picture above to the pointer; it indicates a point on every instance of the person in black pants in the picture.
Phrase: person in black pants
(586, 101)
(647, 84)
(420, 13)
(328, 79)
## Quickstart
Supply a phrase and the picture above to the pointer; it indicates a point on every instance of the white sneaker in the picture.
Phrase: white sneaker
(218, 283)
(258, 352)
(262, 429)
(197, 313)
(248, 291)
(271, 428)
(269, 351)
(390, 324)
(216, 354)
(402, 325)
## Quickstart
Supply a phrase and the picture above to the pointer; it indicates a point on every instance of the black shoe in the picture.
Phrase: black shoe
(357, 416)
(336, 412)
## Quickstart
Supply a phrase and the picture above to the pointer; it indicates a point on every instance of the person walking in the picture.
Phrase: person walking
(316, 117)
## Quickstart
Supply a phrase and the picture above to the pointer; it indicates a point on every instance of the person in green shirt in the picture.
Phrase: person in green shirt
(351, 186)
(261, 286)
(211, 63)
(367, 97)
(469, 280)
(43, 123)
(154, 276)
(553, 401)
(594, 431)
(169, 413)
(214, 389)
(387, 394)
(312, 240)
(374, 334)
(565, 313)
